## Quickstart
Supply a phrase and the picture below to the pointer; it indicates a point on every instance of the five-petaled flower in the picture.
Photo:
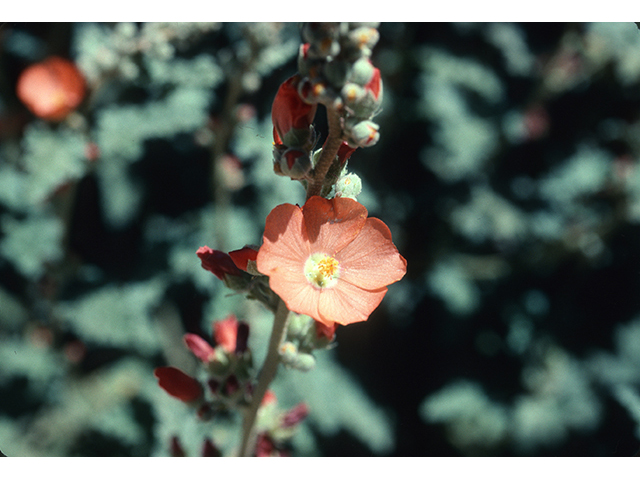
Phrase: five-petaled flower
(328, 260)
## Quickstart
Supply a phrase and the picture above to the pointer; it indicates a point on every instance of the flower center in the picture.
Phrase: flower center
(322, 270)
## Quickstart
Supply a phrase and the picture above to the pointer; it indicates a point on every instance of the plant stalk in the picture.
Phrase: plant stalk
(328, 155)
(267, 374)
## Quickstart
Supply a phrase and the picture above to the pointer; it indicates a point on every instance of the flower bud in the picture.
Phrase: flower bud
(294, 416)
(361, 134)
(178, 384)
(288, 352)
(245, 259)
(364, 38)
(352, 94)
(291, 115)
(298, 325)
(348, 186)
(199, 347)
(292, 162)
(344, 153)
(217, 262)
(324, 331)
(304, 362)
(225, 333)
(361, 72)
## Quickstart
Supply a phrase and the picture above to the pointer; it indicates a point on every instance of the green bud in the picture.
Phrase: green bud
(361, 133)
(361, 72)
(288, 353)
(348, 186)
(298, 325)
(304, 362)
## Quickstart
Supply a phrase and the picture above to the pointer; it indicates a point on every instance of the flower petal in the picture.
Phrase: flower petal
(332, 224)
(346, 303)
(297, 294)
(285, 247)
(371, 260)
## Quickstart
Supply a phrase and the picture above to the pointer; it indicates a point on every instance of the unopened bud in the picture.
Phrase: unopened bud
(348, 186)
(361, 72)
(364, 37)
(292, 162)
(294, 416)
(288, 353)
(298, 325)
(362, 134)
(352, 94)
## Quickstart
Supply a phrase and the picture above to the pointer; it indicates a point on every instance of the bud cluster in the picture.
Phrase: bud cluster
(229, 367)
(337, 72)
(238, 272)
(276, 427)
(303, 336)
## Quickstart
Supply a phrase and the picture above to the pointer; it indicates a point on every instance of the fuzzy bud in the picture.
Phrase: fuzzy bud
(291, 162)
(361, 72)
(348, 186)
(361, 133)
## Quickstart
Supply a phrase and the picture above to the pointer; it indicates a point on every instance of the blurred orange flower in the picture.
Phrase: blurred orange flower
(51, 89)
(328, 260)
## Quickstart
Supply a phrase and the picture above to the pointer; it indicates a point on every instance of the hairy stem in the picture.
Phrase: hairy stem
(267, 374)
(329, 152)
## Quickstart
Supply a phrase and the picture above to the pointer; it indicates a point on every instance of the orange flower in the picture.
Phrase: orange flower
(328, 260)
(51, 89)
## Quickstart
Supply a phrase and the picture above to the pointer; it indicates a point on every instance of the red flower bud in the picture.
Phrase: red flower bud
(344, 152)
(217, 262)
(51, 89)
(225, 333)
(241, 257)
(291, 162)
(294, 416)
(323, 331)
(199, 347)
(178, 384)
(289, 112)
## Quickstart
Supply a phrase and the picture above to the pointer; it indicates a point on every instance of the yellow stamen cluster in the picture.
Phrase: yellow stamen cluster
(322, 270)
(328, 266)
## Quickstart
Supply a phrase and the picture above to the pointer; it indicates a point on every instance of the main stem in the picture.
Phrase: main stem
(267, 374)
(328, 155)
